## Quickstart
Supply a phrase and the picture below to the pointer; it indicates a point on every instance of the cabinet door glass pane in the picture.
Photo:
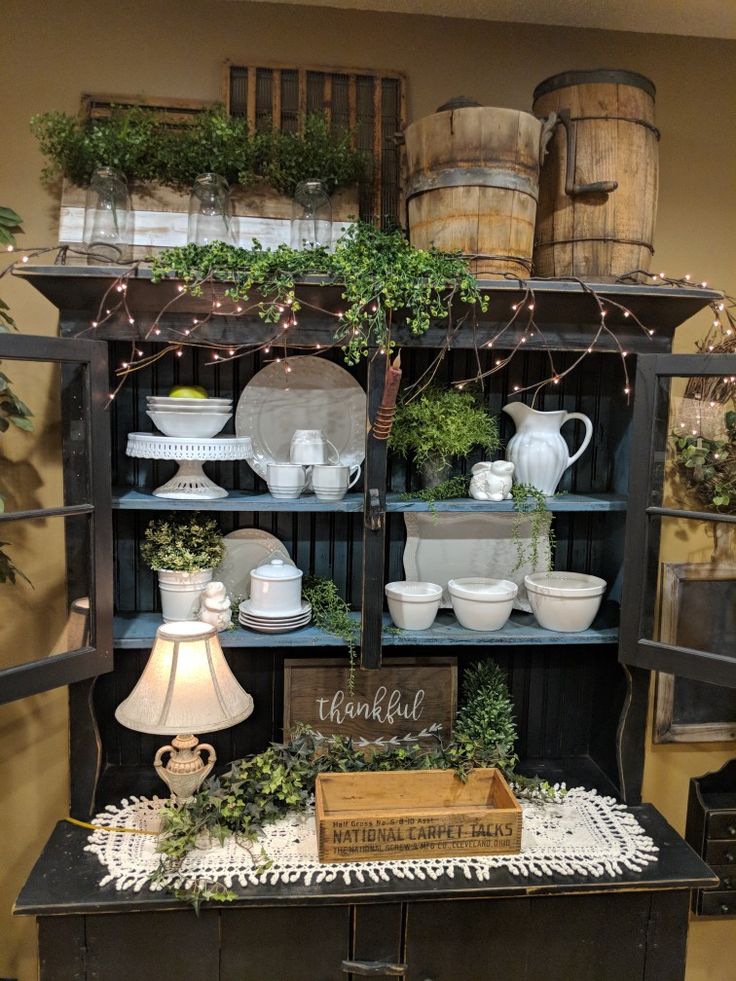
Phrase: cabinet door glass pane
(43, 424)
(694, 465)
(54, 612)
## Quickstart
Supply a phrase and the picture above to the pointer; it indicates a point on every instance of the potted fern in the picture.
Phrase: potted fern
(183, 551)
(438, 425)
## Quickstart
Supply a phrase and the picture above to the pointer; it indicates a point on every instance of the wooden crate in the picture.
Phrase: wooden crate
(160, 216)
(363, 817)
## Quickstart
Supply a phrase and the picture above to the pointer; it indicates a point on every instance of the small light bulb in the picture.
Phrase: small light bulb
(94, 323)
(627, 390)
(180, 289)
(112, 396)
(215, 357)
(178, 354)
(514, 306)
(231, 352)
(218, 304)
(10, 248)
(516, 388)
(131, 321)
(24, 259)
(624, 353)
(124, 364)
(531, 306)
(187, 332)
(523, 340)
(721, 306)
(267, 350)
(157, 331)
(687, 275)
(460, 386)
(626, 313)
(651, 333)
(139, 353)
(238, 309)
(556, 380)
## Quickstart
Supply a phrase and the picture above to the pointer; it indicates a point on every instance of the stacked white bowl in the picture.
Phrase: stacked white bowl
(480, 603)
(189, 418)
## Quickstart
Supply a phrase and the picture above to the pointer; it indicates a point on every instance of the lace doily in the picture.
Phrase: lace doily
(582, 834)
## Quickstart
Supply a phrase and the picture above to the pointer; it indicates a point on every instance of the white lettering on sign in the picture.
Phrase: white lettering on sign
(385, 708)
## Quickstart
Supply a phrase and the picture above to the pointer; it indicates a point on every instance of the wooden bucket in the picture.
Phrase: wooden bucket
(473, 182)
(598, 188)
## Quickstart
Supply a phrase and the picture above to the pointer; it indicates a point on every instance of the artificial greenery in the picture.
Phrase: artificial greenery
(9, 571)
(707, 467)
(265, 787)
(134, 141)
(531, 504)
(331, 613)
(442, 423)
(13, 411)
(379, 271)
(446, 490)
(9, 224)
(182, 543)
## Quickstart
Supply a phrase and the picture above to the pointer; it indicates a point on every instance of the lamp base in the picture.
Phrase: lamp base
(185, 770)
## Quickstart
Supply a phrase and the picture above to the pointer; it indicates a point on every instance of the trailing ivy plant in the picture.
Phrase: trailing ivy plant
(446, 490)
(182, 543)
(531, 504)
(134, 141)
(332, 614)
(707, 467)
(263, 788)
(379, 271)
(442, 423)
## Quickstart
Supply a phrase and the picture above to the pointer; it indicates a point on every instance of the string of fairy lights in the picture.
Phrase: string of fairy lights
(520, 328)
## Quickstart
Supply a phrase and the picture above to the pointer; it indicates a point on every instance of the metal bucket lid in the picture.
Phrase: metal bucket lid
(612, 76)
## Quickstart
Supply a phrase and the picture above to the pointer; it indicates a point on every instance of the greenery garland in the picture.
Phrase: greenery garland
(379, 271)
(265, 787)
(332, 614)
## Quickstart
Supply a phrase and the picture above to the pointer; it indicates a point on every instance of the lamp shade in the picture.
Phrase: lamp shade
(186, 685)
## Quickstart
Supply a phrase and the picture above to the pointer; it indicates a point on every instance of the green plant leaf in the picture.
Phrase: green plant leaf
(9, 217)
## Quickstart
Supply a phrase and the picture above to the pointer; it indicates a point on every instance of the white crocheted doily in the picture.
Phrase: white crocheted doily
(583, 834)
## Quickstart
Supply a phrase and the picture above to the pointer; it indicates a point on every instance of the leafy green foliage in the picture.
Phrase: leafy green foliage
(530, 503)
(12, 409)
(134, 141)
(182, 543)
(380, 272)
(9, 572)
(265, 787)
(9, 224)
(442, 423)
(331, 613)
(446, 490)
(707, 467)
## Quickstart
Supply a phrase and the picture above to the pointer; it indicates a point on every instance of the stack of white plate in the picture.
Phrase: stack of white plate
(255, 619)
(189, 418)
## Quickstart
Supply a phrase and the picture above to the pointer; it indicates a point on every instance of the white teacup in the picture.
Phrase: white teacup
(331, 482)
(309, 446)
(285, 480)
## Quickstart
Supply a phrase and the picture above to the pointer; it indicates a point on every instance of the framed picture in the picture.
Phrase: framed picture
(698, 611)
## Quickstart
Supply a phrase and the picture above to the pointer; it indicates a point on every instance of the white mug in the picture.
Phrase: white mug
(331, 482)
(285, 480)
(310, 446)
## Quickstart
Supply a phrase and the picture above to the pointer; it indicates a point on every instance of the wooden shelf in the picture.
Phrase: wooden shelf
(138, 630)
(128, 499)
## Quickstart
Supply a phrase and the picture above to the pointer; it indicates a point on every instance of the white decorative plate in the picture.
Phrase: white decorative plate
(315, 394)
(440, 547)
(245, 549)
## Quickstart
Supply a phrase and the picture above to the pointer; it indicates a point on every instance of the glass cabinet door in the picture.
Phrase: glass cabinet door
(55, 521)
(679, 594)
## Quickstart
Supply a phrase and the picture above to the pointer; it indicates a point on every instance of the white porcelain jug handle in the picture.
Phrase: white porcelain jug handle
(337, 452)
(586, 439)
(356, 467)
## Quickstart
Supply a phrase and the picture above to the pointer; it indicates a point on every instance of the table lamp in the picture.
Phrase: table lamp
(186, 687)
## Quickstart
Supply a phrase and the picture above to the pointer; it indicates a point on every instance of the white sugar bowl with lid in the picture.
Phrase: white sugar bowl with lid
(276, 589)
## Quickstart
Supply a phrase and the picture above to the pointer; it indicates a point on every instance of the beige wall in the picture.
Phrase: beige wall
(53, 52)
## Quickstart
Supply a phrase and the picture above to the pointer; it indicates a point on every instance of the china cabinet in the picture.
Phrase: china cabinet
(580, 699)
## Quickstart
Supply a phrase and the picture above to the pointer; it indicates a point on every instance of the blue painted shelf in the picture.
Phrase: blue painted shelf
(136, 630)
(127, 499)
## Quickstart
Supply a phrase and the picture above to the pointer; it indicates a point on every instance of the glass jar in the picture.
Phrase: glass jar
(108, 218)
(311, 224)
(210, 211)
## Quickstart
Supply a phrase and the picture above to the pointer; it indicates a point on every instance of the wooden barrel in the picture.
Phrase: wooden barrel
(585, 227)
(473, 178)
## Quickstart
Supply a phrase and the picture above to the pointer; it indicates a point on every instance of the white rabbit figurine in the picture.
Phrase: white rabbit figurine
(216, 609)
(492, 481)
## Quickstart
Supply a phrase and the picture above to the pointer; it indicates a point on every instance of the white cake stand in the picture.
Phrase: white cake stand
(190, 481)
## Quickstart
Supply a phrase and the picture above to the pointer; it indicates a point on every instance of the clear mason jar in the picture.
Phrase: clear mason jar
(311, 224)
(210, 211)
(108, 218)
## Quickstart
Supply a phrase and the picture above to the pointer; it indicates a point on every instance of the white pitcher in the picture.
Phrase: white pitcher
(537, 449)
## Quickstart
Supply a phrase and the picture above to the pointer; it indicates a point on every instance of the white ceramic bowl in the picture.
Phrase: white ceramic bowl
(564, 601)
(189, 426)
(168, 402)
(413, 605)
(480, 603)
(191, 410)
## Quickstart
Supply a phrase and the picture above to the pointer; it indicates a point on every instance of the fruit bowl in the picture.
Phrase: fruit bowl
(189, 426)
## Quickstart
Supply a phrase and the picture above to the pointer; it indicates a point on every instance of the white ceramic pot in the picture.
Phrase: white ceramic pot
(413, 605)
(564, 601)
(189, 425)
(480, 603)
(181, 593)
(537, 449)
(276, 589)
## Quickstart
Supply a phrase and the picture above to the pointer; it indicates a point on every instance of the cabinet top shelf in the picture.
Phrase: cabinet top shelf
(564, 311)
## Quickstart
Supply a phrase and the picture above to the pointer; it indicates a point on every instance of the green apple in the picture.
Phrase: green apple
(188, 392)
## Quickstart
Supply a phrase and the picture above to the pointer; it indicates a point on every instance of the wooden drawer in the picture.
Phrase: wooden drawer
(727, 875)
(720, 852)
(718, 903)
(721, 824)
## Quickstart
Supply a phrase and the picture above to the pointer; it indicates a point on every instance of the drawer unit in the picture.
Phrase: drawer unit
(711, 831)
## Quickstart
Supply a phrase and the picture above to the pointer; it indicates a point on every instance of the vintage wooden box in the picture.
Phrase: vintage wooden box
(362, 817)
